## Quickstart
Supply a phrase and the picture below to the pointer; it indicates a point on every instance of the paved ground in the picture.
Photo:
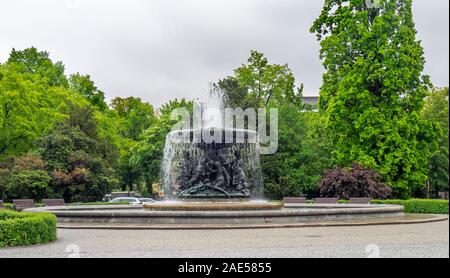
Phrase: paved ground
(416, 240)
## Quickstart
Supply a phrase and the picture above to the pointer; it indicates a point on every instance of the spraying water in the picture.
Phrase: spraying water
(212, 167)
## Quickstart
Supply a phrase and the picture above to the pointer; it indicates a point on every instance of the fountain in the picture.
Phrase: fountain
(212, 164)
(211, 178)
(214, 170)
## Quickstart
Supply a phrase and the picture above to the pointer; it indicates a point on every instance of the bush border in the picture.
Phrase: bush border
(418, 205)
(25, 228)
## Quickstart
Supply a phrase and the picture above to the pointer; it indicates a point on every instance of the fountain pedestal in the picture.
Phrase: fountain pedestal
(214, 206)
(217, 169)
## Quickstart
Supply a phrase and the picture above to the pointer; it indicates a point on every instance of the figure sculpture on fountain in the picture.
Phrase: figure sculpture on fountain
(215, 176)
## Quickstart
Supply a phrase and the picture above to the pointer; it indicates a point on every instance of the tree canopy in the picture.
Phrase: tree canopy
(373, 90)
(59, 138)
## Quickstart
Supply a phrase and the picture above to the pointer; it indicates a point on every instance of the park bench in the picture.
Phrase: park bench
(294, 200)
(325, 200)
(21, 204)
(2, 204)
(53, 202)
(360, 201)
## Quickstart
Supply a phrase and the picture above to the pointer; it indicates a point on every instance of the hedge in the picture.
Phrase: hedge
(24, 228)
(419, 205)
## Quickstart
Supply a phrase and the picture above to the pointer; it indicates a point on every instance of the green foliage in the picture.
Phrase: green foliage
(147, 154)
(29, 185)
(134, 117)
(236, 95)
(373, 90)
(58, 137)
(78, 159)
(266, 83)
(83, 85)
(24, 177)
(436, 109)
(138, 116)
(33, 97)
(303, 155)
(35, 62)
(418, 205)
(20, 228)
(303, 149)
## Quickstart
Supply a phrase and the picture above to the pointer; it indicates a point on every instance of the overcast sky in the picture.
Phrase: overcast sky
(164, 49)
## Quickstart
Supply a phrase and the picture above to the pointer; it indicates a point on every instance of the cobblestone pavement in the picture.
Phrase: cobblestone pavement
(416, 240)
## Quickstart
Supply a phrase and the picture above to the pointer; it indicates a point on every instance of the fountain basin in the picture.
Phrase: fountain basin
(306, 213)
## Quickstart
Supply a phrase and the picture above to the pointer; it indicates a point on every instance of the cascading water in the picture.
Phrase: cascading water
(212, 162)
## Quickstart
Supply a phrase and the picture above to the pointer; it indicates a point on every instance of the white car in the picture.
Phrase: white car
(130, 200)
(147, 200)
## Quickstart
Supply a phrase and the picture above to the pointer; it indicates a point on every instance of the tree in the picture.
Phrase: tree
(436, 109)
(355, 182)
(373, 90)
(32, 61)
(147, 154)
(266, 82)
(134, 117)
(33, 97)
(236, 96)
(79, 160)
(18, 101)
(24, 177)
(303, 154)
(83, 85)
(138, 116)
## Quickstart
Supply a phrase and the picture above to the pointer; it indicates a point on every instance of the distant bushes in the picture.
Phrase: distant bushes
(419, 205)
(354, 182)
(21, 228)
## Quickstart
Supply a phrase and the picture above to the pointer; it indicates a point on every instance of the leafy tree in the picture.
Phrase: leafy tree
(18, 101)
(32, 61)
(283, 171)
(237, 96)
(303, 155)
(138, 116)
(147, 154)
(32, 99)
(24, 177)
(167, 108)
(436, 109)
(373, 90)
(265, 82)
(79, 160)
(303, 152)
(27, 108)
(83, 85)
(31, 184)
(355, 182)
(134, 117)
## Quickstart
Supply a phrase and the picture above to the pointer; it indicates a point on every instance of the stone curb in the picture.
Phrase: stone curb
(428, 218)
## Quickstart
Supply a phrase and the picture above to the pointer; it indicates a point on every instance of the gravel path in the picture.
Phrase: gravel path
(416, 240)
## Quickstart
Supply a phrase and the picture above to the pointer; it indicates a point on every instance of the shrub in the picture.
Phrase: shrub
(23, 228)
(419, 205)
(29, 184)
(354, 182)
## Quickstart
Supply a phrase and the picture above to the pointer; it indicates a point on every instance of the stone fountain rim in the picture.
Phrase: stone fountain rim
(289, 211)
(298, 214)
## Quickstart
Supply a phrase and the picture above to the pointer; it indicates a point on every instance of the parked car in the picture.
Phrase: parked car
(130, 200)
(147, 200)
